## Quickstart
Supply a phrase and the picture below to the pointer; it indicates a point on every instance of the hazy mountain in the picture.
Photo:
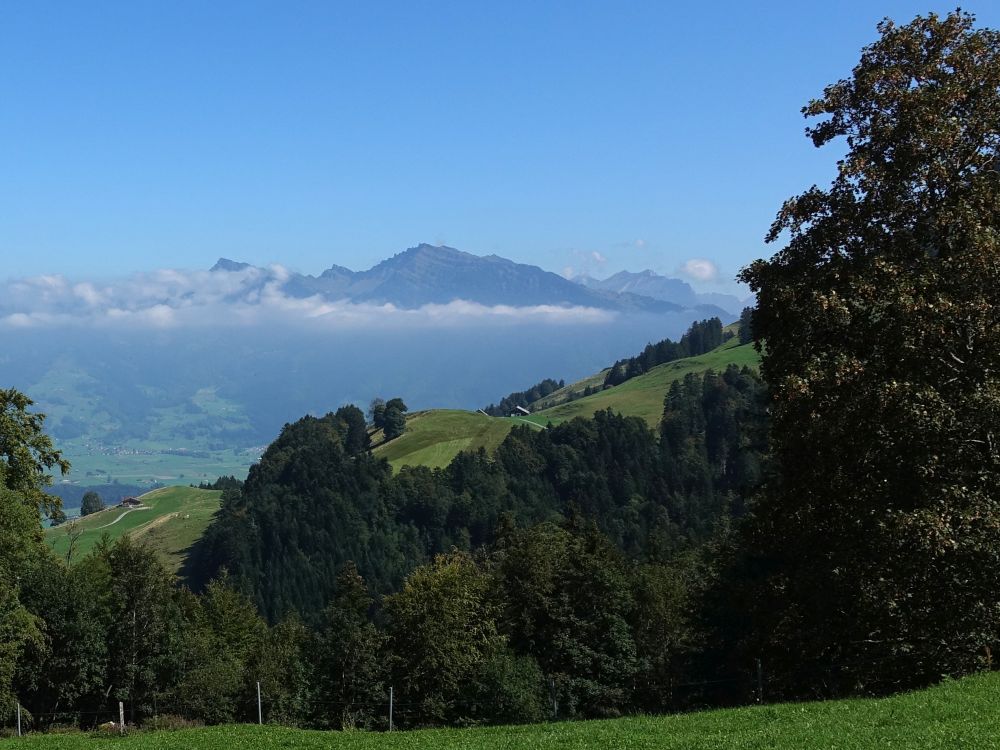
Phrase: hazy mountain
(653, 285)
(429, 274)
(224, 264)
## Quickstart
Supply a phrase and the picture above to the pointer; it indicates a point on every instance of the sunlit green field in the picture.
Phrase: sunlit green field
(642, 396)
(562, 394)
(176, 517)
(433, 438)
(962, 714)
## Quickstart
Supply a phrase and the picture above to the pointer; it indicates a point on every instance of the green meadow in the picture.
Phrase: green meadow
(642, 396)
(433, 438)
(173, 519)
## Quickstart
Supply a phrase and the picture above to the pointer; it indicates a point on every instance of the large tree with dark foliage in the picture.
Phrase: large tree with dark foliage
(878, 539)
(26, 456)
(350, 657)
(91, 503)
(713, 438)
(746, 325)
(388, 416)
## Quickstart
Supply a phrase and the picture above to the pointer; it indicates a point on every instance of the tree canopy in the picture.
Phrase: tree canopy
(27, 453)
(879, 328)
(91, 503)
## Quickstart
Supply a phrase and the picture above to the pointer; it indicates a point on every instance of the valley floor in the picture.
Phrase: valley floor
(956, 714)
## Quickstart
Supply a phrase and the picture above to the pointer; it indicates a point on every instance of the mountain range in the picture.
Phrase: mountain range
(429, 274)
(650, 284)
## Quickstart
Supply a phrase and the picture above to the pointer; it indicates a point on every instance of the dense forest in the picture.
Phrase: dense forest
(485, 591)
(827, 528)
(313, 504)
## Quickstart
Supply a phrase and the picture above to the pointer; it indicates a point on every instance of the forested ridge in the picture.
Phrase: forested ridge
(311, 504)
(701, 337)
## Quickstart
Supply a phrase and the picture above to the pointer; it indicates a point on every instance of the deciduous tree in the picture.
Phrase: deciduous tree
(879, 322)
(91, 503)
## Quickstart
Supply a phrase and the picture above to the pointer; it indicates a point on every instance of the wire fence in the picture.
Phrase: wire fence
(388, 712)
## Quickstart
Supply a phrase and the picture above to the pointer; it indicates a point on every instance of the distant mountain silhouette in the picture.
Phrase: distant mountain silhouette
(224, 264)
(429, 274)
(650, 284)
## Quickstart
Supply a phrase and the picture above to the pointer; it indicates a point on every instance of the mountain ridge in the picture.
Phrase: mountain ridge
(437, 274)
(650, 284)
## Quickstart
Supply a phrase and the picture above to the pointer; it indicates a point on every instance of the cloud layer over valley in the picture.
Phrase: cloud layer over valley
(246, 297)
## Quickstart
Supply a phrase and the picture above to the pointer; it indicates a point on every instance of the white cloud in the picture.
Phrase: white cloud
(700, 269)
(171, 299)
(640, 243)
(598, 258)
(89, 294)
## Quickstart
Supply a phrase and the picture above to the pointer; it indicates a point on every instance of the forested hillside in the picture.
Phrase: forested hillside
(312, 505)
(433, 438)
(524, 399)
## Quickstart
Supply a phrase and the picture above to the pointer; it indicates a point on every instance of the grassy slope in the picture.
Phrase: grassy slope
(433, 438)
(560, 395)
(962, 714)
(177, 516)
(643, 396)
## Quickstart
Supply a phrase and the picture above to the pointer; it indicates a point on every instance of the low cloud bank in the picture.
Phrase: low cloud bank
(170, 299)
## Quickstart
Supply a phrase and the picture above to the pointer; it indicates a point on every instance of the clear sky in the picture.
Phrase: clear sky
(593, 136)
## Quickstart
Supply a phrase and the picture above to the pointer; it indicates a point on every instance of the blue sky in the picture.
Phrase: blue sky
(591, 136)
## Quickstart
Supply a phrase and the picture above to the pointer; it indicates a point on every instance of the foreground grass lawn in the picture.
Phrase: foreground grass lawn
(961, 714)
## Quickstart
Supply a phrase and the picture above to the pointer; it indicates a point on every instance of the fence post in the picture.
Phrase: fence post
(760, 682)
(18, 704)
(121, 717)
(390, 708)
(260, 712)
(555, 699)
